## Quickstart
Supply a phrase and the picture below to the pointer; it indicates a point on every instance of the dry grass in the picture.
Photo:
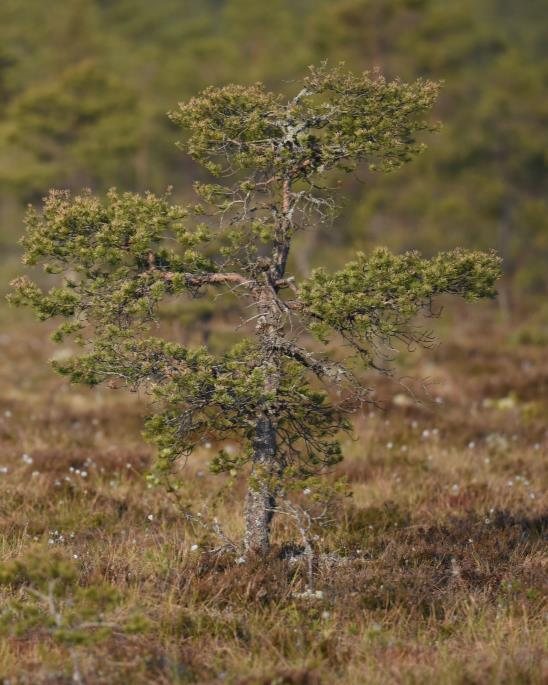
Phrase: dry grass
(444, 570)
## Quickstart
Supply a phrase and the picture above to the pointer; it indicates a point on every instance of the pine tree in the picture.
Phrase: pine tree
(81, 128)
(276, 164)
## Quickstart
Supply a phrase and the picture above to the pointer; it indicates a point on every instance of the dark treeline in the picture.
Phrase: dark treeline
(85, 85)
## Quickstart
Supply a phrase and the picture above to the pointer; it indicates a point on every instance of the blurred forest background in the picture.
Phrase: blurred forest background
(85, 86)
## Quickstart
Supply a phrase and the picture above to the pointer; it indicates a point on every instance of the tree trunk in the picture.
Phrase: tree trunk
(260, 499)
(267, 466)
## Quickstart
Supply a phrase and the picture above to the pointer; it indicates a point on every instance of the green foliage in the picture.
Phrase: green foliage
(39, 569)
(117, 256)
(78, 129)
(337, 120)
(375, 299)
(47, 596)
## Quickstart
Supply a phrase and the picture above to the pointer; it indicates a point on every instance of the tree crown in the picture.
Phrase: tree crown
(120, 259)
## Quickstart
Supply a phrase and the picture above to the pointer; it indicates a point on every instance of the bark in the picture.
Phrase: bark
(261, 497)
(267, 464)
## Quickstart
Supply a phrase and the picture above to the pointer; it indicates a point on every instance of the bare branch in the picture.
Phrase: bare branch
(199, 280)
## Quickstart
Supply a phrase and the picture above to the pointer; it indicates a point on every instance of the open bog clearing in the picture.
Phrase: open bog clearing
(433, 571)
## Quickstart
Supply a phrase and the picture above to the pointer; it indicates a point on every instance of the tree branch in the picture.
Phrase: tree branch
(209, 279)
(320, 368)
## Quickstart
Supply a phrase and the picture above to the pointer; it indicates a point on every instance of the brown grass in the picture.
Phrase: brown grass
(443, 572)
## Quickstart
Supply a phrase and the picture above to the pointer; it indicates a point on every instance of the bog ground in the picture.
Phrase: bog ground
(433, 572)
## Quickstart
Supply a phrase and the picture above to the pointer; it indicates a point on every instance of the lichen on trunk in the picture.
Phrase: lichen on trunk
(261, 497)
(266, 464)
